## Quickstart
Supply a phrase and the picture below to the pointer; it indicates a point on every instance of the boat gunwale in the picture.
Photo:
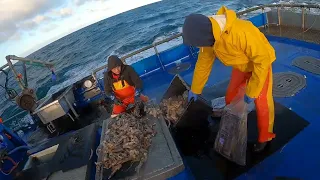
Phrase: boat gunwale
(240, 13)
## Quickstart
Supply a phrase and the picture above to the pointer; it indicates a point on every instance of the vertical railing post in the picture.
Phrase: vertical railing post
(279, 17)
(266, 18)
(303, 19)
(158, 55)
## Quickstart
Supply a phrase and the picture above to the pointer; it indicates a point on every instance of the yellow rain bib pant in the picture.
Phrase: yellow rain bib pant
(241, 45)
(264, 102)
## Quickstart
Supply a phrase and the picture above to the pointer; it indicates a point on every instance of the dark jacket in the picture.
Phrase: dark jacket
(127, 74)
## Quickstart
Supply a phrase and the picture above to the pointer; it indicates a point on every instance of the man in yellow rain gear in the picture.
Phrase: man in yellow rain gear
(237, 43)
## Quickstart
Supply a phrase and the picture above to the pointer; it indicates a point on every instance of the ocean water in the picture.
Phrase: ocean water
(79, 53)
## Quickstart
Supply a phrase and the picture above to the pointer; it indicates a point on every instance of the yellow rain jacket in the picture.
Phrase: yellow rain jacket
(240, 45)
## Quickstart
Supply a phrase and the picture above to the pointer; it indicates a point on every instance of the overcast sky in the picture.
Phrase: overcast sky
(27, 25)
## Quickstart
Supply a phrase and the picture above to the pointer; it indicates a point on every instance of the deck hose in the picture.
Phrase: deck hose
(15, 164)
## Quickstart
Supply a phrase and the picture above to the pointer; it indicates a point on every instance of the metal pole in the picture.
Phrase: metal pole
(279, 17)
(71, 117)
(98, 69)
(14, 72)
(266, 18)
(4, 66)
(150, 46)
(303, 19)
(238, 14)
(13, 57)
(156, 50)
(279, 5)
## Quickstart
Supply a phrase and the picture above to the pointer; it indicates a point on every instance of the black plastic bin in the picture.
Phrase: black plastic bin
(199, 109)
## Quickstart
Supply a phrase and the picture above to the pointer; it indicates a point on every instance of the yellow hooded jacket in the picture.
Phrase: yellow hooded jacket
(240, 45)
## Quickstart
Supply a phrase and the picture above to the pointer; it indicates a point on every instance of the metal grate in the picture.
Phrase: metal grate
(287, 84)
(308, 63)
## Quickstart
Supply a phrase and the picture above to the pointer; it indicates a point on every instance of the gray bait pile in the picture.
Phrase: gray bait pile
(127, 140)
(174, 107)
(171, 109)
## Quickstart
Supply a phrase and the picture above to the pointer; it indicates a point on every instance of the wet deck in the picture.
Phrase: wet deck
(286, 51)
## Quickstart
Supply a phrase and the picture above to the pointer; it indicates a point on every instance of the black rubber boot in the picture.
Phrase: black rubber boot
(258, 147)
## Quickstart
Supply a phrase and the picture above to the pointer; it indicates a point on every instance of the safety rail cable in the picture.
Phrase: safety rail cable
(262, 7)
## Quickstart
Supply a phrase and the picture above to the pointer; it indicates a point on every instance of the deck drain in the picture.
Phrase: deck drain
(308, 63)
(179, 68)
(287, 84)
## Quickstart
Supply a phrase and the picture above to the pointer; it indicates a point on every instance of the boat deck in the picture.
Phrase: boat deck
(297, 157)
(293, 153)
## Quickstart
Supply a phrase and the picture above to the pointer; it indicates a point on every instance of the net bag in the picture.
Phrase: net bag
(231, 140)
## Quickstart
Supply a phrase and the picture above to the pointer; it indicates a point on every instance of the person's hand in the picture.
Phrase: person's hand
(114, 99)
(137, 93)
(237, 108)
(192, 95)
(248, 99)
(239, 105)
(144, 98)
(111, 97)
